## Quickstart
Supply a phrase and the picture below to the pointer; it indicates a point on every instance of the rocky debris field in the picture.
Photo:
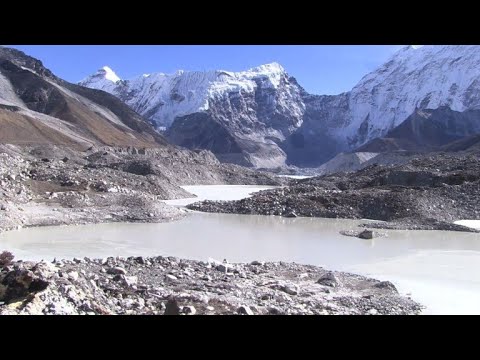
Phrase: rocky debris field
(429, 193)
(172, 286)
(50, 185)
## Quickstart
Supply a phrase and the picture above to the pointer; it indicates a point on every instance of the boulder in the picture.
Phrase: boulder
(290, 289)
(245, 310)
(172, 308)
(366, 234)
(18, 284)
(117, 270)
(131, 280)
(329, 279)
(224, 268)
(189, 310)
(386, 285)
(72, 275)
(140, 260)
(257, 263)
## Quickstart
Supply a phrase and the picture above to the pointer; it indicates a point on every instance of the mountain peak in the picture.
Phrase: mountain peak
(109, 74)
(273, 67)
(406, 50)
(103, 79)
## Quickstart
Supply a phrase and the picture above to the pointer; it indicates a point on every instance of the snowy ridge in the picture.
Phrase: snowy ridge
(163, 97)
(414, 77)
(426, 78)
(263, 114)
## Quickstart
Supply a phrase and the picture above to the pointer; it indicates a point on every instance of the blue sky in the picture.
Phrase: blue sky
(320, 69)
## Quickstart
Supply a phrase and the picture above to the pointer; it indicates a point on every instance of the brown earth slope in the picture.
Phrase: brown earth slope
(36, 107)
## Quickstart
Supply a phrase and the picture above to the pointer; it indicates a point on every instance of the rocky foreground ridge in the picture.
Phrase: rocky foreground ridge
(172, 286)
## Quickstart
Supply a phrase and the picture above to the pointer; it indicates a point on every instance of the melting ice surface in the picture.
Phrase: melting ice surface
(439, 269)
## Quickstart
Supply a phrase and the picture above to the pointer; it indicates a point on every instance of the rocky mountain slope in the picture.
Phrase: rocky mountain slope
(36, 107)
(262, 117)
(427, 130)
(429, 77)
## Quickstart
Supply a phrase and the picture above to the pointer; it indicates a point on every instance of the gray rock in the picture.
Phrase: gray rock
(140, 260)
(72, 275)
(224, 268)
(189, 310)
(245, 310)
(366, 234)
(290, 289)
(257, 263)
(290, 214)
(272, 310)
(117, 270)
(171, 277)
(172, 308)
(386, 285)
(329, 279)
(129, 280)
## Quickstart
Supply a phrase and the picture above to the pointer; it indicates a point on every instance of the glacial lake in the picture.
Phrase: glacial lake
(437, 268)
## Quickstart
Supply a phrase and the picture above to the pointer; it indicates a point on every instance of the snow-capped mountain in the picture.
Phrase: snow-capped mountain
(263, 117)
(163, 97)
(428, 77)
(242, 116)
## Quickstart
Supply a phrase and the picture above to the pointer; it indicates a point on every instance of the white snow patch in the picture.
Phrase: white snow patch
(110, 74)
(474, 224)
